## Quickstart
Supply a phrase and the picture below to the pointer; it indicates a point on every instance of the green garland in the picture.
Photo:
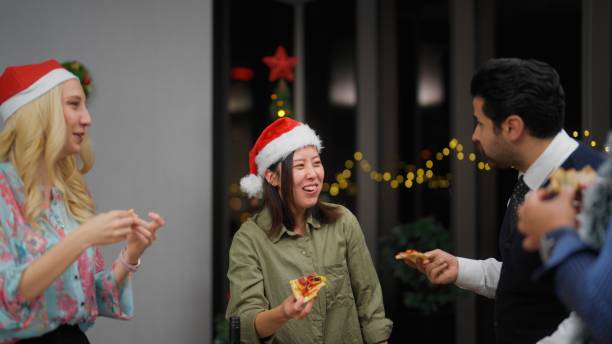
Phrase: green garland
(77, 68)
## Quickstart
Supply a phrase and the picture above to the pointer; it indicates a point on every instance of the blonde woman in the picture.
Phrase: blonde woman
(53, 282)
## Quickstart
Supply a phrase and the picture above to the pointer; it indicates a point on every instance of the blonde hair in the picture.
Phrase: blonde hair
(33, 139)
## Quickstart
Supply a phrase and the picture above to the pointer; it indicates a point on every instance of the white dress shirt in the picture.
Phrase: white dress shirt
(482, 276)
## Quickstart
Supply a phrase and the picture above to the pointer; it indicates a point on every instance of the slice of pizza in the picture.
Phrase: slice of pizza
(411, 254)
(307, 286)
(571, 179)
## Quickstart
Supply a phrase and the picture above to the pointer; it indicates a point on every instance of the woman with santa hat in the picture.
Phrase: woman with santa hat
(296, 235)
(53, 283)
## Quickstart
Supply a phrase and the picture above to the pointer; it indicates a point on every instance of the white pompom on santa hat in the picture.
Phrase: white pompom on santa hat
(276, 142)
(20, 85)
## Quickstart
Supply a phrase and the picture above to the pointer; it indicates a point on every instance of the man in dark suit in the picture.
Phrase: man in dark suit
(577, 253)
(519, 109)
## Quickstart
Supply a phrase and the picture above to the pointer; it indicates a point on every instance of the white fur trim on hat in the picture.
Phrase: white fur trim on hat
(42, 85)
(278, 149)
(252, 185)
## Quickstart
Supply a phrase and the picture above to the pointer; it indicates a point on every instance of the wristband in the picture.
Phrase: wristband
(126, 264)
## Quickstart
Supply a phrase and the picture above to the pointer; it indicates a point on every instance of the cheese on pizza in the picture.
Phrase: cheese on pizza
(307, 286)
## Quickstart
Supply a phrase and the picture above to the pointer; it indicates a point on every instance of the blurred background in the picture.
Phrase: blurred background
(180, 90)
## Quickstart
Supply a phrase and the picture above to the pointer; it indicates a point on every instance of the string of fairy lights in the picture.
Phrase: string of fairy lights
(409, 176)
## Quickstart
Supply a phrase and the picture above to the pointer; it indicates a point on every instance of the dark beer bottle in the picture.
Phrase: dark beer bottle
(234, 330)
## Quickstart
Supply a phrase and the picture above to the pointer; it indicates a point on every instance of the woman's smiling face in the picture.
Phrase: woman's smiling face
(308, 175)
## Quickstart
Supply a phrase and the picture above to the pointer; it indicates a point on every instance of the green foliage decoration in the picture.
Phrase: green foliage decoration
(417, 292)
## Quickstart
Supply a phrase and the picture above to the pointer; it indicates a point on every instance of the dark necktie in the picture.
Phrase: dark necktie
(508, 229)
(517, 198)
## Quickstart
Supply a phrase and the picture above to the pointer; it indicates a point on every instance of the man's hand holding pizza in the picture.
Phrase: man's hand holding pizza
(438, 266)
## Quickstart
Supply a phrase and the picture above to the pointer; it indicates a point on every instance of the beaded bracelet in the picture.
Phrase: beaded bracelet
(124, 262)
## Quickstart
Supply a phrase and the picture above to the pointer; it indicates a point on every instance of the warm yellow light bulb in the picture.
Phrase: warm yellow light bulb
(281, 113)
(387, 176)
(446, 151)
(339, 177)
(472, 157)
(333, 190)
(358, 156)
(429, 164)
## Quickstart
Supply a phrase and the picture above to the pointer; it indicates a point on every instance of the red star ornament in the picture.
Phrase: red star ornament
(281, 65)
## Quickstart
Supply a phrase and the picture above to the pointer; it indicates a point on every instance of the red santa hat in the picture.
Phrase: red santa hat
(276, 142)
(20, 85)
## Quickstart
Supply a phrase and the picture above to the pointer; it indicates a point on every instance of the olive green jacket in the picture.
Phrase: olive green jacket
(349, 309)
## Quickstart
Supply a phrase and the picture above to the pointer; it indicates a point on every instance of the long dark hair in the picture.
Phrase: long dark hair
(280, 207)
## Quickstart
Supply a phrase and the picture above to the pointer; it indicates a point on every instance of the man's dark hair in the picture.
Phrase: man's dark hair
(528, 88)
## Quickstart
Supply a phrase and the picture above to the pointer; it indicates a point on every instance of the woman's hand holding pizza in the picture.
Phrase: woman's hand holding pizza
(295, 307)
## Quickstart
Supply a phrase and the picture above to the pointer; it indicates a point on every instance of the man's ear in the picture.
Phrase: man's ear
(272, 177)
(513, 127)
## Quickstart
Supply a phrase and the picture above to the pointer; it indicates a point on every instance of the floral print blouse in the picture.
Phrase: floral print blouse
(84, 291)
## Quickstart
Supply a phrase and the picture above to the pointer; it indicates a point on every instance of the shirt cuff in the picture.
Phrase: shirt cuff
(468, 276)
(560, 244)
(377, 330)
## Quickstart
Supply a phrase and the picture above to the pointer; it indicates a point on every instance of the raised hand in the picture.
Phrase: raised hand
(143, 234)
(108, 228)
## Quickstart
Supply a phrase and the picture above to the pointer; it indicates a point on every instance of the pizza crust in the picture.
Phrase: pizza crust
(410, 254)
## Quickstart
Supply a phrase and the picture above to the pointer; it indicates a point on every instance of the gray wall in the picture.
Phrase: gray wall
(152, 118)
